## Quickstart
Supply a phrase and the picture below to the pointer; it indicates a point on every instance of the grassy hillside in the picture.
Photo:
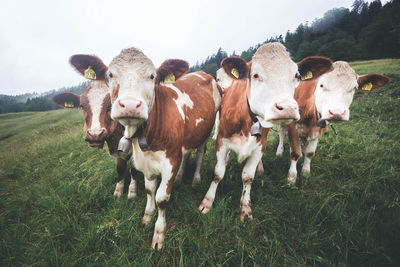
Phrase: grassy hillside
(57, 209)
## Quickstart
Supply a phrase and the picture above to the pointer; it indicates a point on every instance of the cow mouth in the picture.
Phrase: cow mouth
(97, 144)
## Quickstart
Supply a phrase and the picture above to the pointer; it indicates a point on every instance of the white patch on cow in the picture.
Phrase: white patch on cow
(282, 132)
(337, 91)
(275, 81)
(96, 96)
(243, 146)
(310, 147)
(182, 100)
(216, 95)
(292, 175)
(119, 189)
(223, 79)
(199, 120)
(195, 74)
(216, 128)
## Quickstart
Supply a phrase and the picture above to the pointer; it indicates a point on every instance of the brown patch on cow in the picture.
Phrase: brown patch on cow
(294, 141)
(310, 154)
(113, 140)
(82, 62)
(121, 167)
(304, 95)
(105, 116)
(87, 111)
(162, 204)
(217, 179)
(247, 181)
(175, 66)
(114, 93)
(148, 192)
(317, 65)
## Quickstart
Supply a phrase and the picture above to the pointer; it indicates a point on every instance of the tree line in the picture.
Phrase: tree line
(366, 31)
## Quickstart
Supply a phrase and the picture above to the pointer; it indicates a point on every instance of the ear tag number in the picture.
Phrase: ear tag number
(90, 73)
(170, 78)
(69, 104)
(235, 73)
(367, 87)
(307, 76)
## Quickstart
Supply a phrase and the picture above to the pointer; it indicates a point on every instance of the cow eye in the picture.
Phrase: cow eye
(110, 75)
(152, 76)
(297, 76)
(255, 76)
(321, 85)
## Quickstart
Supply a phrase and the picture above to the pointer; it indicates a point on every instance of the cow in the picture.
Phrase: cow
(99, 128)
(166, 114)
(260, 95)
(323, 101)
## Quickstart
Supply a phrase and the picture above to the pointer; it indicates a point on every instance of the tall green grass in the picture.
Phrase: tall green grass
(57, 209)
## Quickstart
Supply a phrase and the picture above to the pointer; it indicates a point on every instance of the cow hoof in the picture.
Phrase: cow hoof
(117, 194)
(292, 178)
(205, 207)
(146, 219)
(158, 240)
(279, 152)
(178, 179)
(305, 172)
(246, 213)
(196, 180)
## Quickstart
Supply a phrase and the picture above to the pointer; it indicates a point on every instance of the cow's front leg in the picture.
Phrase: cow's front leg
(295, 152)
(119, 188)
(309, 152)
(219, 172)
(150, 186)
(162, 198)
(201, 150)
(132, 185)
(282, 132)
(247, 178)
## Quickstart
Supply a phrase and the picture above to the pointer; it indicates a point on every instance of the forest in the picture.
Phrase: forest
(366, 31)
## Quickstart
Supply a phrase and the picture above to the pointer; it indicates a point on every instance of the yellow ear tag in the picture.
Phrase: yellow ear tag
(307, 76)
(170, 78)
(69, 104)
(90, 73)
(235, 73)
(367, 87)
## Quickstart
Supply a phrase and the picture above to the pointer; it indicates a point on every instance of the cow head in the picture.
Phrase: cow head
(131, 78)
(272, 78)
(95, 103)
(335, 90)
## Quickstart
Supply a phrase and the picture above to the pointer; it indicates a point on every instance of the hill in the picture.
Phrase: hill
(57, 207)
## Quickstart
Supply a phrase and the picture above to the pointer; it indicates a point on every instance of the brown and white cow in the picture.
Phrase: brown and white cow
(166, 114)
(99, 127)
(260, 92)
(321, 102)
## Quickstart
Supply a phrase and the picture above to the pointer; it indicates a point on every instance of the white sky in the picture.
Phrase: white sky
(38, 37)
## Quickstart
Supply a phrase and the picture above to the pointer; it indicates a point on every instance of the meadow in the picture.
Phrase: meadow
(57, 208)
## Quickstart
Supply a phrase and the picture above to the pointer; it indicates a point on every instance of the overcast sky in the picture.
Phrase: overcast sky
(38, 37)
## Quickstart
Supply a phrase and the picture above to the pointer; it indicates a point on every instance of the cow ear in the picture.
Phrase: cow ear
(313, 67)
(372, 81)
(236, 67)
(171, 70)
(67, 100)
(91, 67)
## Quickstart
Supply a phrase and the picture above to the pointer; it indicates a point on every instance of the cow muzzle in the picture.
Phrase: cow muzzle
(337, 115)
(96, 137)
(286, 110)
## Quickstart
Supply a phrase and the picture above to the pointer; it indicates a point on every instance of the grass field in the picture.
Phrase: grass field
(57, 209)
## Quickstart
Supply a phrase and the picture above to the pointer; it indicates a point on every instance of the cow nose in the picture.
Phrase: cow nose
(287, 109)
(129, 107)
(98, 133)
(336, 114)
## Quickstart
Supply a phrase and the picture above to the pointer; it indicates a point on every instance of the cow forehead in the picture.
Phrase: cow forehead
(96, 91)
(131, 60)
(342, 77)
(274, 58)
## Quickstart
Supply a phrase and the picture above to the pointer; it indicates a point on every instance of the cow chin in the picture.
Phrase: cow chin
(96, 144)
(272, 122)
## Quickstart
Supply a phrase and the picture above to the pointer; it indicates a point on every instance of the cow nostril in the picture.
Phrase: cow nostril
(121, 104)
(139, 104)
(278, 107)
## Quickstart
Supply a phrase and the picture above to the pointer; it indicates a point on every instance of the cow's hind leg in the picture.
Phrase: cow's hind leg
(119, 188)
(219, 172)
(295, 153)
(201, 150)
(132, 185)
(247, 178)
